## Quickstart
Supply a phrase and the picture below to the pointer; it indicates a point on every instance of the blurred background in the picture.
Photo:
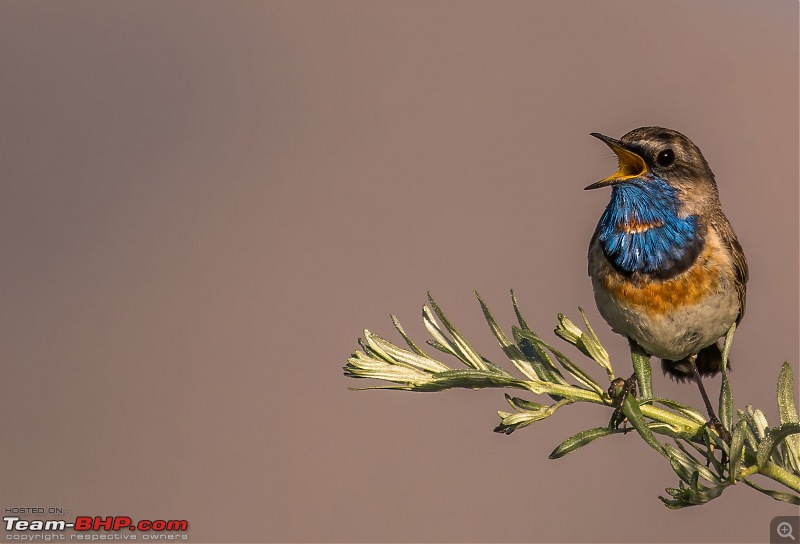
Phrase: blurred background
(204, 203)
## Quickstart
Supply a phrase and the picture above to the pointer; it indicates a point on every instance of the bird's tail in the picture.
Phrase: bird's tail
(709, 363)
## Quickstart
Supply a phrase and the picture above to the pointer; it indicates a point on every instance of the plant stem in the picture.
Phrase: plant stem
(774, 472)
(682, 425)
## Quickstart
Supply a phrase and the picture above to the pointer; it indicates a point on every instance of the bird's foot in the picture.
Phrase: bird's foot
(619, 391)
(715, 425)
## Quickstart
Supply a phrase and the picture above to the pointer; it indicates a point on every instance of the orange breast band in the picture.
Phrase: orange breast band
(662, 297)
(634, 226)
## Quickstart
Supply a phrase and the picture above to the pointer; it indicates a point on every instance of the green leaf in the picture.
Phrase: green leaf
(522, 324)
(757, 428)
(643, 371)
(690, 492)
(772, 439)
(470, 378)
(777, 495)
(459, 345)
(787, 410)
(528, 412)
(411, 344)
(726, 402)
(530, 345)
(568, 331)
(760, 421)
(688, 411)
(726, 347)
(750, 439)
(737, 450)
(361, 365)
(631, 410)
(578, 373)
(692, 464)
(664, 428)
(512, 422)
(786, 406)
(587, 344)
(394, 354)
(714, 440)
(522, 404)
(725, 393)
(792, 461)
(601, 355)
(509, 348)
(579, 440)
(686, 496)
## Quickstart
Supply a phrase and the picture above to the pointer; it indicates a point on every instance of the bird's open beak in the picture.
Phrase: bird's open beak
(631, 165)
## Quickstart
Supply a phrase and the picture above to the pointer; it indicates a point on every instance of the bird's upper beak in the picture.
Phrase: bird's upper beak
(631, 165)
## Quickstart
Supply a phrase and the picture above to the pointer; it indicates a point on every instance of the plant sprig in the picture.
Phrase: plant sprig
(755, 447)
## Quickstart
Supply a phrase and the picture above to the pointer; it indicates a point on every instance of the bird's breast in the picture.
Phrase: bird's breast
(673, 317)
(655, 295)
(664, 296)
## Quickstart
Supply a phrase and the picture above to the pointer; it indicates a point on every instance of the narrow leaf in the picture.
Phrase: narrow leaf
(512, 422)
(725, 393)
(577, 372)
(587, 344)
(787, 410)
(470, 378)
(726, 401)
(411, 344)
(522, 404)
(682, 408)
(737, 450)
(772, 439)
(643, 371)
(726, 347)
(761, 421)
(777, 495)
(509, 348)
(696, 466)
(601, 355)
(402, 356)
(531, 413)
(579, 440)
(440, 341)
(750, 430)
(529, 345)
(468, 355)
(631, 410)
(523, 325)
(786, 406)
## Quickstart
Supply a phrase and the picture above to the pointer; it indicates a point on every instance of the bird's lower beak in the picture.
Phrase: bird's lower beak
(631, 165)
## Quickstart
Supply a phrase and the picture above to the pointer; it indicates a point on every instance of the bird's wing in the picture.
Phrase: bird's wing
(591, 245)
(741, 274)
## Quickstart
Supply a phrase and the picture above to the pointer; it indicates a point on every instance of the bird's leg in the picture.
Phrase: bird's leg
(619, 390)
(714, 423)
(699, 381)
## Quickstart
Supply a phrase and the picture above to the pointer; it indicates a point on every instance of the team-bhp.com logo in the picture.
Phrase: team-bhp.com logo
(96, 523)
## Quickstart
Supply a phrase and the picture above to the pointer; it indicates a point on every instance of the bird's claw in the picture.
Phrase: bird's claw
(716, 426)
(619, 391)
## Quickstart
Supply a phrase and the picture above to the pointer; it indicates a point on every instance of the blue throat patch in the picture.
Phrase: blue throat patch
(640, 230)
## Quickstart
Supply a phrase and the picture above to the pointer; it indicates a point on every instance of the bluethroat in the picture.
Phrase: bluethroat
(666, 267)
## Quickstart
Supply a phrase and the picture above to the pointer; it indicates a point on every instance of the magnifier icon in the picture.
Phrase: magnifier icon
(784, 530)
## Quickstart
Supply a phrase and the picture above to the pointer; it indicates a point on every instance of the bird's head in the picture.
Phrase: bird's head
(651, 156)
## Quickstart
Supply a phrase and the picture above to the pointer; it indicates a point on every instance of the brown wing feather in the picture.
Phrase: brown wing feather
(741, 273)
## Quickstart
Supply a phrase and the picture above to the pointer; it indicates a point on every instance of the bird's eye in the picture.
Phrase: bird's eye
(666, 157)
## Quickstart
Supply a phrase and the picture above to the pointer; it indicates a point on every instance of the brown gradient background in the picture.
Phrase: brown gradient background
(204, 203)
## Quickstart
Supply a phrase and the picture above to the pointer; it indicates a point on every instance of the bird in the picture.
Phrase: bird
(667, 269)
